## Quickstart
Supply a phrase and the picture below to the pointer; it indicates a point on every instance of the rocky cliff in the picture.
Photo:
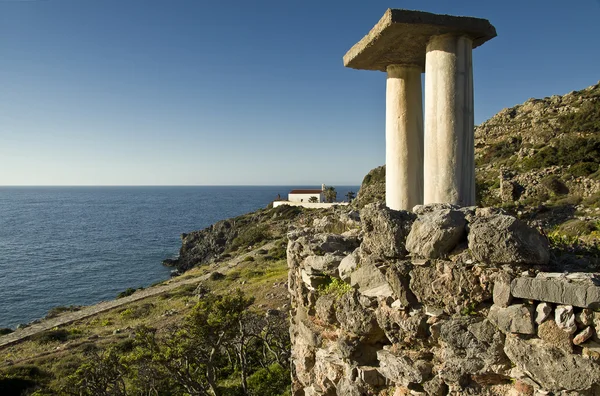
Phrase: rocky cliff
(444, 300)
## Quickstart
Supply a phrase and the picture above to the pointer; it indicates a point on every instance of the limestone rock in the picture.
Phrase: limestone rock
(349, 388)
(370, 280)
(435, 387)
(584, 294)
(470, 346)
(325, 308)
(585, 317)
(555, 336)
(554, 368)
(370, 375)
(583, 336)
(591, 350)
(322, 265)
(502, 239)
(542, 312)
(516, 318)
(356, 319)
(398, 277)
(502, 296)
(434, 207)
(450, 286)
(401, 369)
(348, 265)
(436, 234)
(565, 318)
(385, 231)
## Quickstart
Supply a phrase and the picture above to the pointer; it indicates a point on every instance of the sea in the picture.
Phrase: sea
(62, 246)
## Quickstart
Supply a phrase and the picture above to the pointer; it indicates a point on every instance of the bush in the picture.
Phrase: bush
(128, 292)
(248, 258)
(335, 286)
(59, 310)
(587, 119)
(250, 237)
(555, 185)
(271, 381)
(576, 228)
(583, 169)
(5, 331)
(57, 335)
(568, 150)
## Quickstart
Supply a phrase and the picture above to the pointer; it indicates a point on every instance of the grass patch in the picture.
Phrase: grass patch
(335, 286)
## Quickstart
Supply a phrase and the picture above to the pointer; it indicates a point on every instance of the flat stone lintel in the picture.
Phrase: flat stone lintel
(583, 294)
(401, 37)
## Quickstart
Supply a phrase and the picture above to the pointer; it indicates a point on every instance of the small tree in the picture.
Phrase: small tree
(350, 195)
(313, 199)
(330, 194)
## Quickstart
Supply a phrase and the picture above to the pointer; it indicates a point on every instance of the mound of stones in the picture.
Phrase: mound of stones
(440, 300)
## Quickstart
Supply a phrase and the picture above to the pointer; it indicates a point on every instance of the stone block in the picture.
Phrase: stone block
(501, 293)
(437, 233)
(401, 369)
(401, 37)
(584, 294)
(502, 239)
(556, 369)
(370, 281)
(517, 318)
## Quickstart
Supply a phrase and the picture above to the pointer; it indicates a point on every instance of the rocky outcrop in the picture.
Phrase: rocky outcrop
(426, 303)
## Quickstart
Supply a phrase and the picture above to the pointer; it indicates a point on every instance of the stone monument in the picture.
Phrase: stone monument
(434, 163)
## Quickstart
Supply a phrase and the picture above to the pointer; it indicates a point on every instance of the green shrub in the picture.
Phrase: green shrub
(248, 258)
(568, 150)
(583, 169)
(500, 151)
(576, 228)
(128, 292)
(587, 119)
(271, 381)
(335, 286)
(554, 185)
(56, 335)
(250, 236)
(61, 309)
(5, 331)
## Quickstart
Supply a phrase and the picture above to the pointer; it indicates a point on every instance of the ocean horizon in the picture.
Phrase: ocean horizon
(79, 245)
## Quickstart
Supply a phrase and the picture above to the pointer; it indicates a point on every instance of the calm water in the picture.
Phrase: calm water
(82, 245)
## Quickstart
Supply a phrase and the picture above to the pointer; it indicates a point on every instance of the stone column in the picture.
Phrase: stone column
(449, 157)
(404, 137)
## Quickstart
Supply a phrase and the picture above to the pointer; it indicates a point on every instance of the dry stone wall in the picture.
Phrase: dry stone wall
(441, 300)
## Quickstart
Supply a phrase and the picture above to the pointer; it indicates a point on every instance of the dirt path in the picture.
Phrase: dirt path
(70, 317)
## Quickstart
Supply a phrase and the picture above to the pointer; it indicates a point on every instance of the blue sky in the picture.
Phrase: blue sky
(190, 92)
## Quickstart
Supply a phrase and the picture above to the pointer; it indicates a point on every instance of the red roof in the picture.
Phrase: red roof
(306, 192)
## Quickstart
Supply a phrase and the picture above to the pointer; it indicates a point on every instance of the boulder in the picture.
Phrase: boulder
(470, 346)
(398, 277)
(401, 369)
(584, 294)
(326, 264)
(385, 231)
(451, 286)
(584, 318)
(325, 308)
(356, 319)
(436, 234)
(554, 369)
(349, 388)
(348, 265)
(516, 318)
(370, 280)
(502, 239)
